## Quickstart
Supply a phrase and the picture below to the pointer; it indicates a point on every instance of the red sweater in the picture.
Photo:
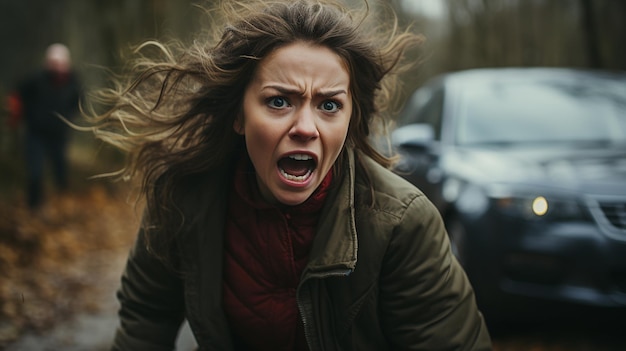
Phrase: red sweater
(266, 250)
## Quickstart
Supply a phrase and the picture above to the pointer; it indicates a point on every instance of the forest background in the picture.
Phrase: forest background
(460, 34)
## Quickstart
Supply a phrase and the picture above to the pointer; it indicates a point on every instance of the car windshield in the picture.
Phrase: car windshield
(545, 112)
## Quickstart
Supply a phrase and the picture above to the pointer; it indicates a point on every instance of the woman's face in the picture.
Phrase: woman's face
(296, 112)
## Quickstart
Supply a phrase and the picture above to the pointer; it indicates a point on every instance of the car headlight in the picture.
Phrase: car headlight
(475, 200)
(539, 206)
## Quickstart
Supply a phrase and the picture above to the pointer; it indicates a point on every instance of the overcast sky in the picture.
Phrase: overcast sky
(431, 8)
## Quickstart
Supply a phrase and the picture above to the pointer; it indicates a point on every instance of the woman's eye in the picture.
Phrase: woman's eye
(330, 106)
(277, 102)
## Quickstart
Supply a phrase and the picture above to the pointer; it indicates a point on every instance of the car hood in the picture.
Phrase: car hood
(599, 171)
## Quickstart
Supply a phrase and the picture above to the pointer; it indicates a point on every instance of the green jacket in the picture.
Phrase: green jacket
(380, 276)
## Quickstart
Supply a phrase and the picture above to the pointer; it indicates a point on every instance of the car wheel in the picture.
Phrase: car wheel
(458, 239)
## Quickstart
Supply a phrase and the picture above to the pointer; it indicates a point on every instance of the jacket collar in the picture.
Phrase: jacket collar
(335, 244)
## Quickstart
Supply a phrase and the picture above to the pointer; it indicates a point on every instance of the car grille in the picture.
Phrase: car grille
(615, 213)
(610, 214)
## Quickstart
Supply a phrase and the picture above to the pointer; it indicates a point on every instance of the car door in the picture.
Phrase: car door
(420, 154)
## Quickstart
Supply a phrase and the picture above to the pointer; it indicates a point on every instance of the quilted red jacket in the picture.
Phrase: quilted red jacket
(266, 250)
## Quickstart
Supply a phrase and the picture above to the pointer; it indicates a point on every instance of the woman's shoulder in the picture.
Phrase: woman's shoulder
(384, 181)
(197, 190)
(386, 191)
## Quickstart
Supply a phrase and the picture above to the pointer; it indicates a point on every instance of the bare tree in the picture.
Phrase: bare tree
(590, 32)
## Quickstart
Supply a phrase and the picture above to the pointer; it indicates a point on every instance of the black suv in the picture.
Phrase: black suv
(528, 169)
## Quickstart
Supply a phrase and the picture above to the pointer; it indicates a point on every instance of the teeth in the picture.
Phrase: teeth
(300, 157)
(295, 178)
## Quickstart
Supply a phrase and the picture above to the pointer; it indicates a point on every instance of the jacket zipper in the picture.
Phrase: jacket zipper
(306, 314)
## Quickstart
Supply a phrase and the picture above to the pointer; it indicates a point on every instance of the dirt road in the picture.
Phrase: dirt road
(61, 269)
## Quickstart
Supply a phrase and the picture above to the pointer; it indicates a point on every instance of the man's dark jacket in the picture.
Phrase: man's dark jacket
(46, 96)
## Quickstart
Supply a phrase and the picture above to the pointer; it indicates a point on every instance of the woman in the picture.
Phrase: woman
(271, 222)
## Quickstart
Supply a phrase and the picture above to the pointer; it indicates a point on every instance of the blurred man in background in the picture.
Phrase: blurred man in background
(39, 102)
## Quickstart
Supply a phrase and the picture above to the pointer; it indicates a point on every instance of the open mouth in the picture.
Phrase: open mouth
(297, 167)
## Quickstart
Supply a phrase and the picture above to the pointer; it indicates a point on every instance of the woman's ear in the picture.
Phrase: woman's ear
(238, 125)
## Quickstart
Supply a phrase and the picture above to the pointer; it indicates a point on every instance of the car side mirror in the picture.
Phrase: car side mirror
(414, 136)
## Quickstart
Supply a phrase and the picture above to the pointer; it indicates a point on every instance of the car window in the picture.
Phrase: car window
(425, 106)
(540, 113)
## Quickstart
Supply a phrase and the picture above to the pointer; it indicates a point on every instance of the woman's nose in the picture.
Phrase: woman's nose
(304, 125)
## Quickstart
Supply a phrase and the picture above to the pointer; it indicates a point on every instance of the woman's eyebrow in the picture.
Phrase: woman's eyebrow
(331, 93)
(289, 91)
(283, 90)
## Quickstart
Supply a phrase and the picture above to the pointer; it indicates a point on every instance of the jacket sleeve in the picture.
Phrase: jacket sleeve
(151, 303)
(427, 302)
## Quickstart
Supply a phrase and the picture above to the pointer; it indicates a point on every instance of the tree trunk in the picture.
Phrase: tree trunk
(590, 31)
